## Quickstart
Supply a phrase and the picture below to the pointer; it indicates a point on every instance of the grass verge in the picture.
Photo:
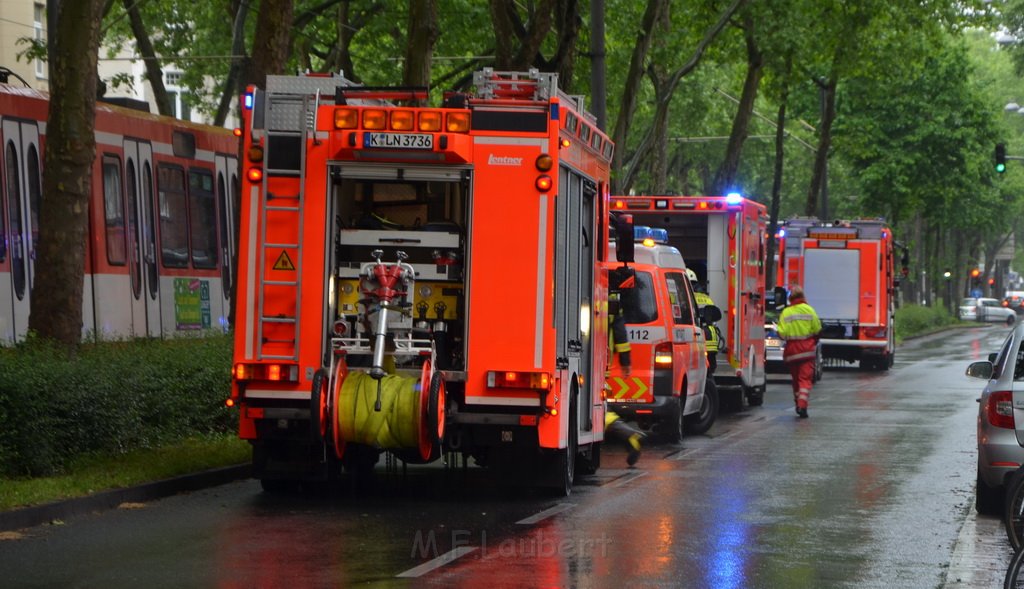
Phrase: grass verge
(93, 473)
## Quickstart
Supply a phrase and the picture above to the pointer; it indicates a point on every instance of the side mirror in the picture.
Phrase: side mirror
(982, 369)
(710, 314)
(624, 245)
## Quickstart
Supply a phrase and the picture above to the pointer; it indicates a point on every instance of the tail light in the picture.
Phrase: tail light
(663, 355)
(1000, 409)
(271, 372)
(875, 332)
(518, 380)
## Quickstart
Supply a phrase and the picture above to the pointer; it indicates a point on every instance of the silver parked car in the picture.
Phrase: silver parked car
(1000, 426)
(968, 309)
(992, 310)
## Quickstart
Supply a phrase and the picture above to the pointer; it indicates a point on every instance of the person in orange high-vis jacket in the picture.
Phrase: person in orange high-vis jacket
(799, 327)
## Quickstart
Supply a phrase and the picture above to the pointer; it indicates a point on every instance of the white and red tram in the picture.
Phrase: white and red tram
(161, 220)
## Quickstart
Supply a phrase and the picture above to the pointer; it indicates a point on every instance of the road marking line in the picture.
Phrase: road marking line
(546, 514)
(683, 454)
(440, 561)
(626, 479)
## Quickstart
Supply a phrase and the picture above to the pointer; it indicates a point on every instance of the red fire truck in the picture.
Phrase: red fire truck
(848, 272)
(422, 280)
(723, 240)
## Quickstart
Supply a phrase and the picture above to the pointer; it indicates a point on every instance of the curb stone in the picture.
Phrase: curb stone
(28, 517)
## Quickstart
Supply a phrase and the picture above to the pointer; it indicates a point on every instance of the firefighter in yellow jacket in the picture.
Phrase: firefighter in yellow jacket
(712, 335)
(618, 345)
(799, 327)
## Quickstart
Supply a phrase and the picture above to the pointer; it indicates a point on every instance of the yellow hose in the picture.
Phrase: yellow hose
(396, 425)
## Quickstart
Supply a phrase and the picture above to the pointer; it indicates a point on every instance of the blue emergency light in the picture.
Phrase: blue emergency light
(248, 101)
(733, 198)
(659, 235)
(641, 232)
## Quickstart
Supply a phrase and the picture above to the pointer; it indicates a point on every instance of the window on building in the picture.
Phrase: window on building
(38, 26)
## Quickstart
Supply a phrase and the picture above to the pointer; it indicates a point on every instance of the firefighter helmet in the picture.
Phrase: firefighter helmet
(691, 275)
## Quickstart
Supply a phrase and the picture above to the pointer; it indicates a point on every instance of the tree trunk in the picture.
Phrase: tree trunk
(568, 22)
(820, 170)
(67, 179)
(537, 29)
(154, 74)
(673, 80)
(780, 152)
(725, 179)
(232, 88)
(504, 34)
(271, 43)
(656, 11)
(423, 33)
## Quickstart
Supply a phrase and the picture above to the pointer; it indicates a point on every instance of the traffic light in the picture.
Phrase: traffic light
(1000, 157)
(975, 277)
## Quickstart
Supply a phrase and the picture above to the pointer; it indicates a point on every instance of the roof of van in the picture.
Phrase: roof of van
(663, 256)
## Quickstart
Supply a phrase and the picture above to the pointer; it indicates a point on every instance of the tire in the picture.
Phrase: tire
(1014, 578)
(673, 424)
(589, 465)
(702, 421)
(755, 396)
(988, 500)
(564, 462)
(319, 410)
(1013, 509)
(1010, 321)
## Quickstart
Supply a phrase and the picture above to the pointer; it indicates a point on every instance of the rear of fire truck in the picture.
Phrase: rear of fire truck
(848, 272)
(420, 281)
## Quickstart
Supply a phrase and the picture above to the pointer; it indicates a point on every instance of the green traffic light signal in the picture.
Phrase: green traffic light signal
(1000, 158)
(1000, 168)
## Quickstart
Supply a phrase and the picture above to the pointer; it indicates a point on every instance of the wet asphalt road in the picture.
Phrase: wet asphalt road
(874, 490)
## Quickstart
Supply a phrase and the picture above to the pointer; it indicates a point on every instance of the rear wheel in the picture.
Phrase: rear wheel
(987, 500)
(702, 421)
(674, 422)
(1014, 574)
(564, 463)
(1013, 509)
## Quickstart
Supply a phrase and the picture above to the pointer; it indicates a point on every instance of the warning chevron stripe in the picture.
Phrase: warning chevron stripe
(641, 388)
(634, 387)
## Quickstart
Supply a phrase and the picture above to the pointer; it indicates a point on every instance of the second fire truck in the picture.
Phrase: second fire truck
(848, 270)
(420, 280)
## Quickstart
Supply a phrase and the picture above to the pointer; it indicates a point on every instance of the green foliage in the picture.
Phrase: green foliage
(95, 472)
(914, 320)
(113, 397)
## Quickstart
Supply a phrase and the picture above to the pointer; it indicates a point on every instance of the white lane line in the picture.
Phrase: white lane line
(546, 514)
(625, 480)
(684, 454)
(440, 561)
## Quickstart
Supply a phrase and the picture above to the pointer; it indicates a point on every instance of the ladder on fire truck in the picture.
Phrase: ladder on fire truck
(287, 112)
(289, 107)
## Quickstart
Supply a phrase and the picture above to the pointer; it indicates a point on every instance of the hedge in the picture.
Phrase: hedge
(111, 398)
